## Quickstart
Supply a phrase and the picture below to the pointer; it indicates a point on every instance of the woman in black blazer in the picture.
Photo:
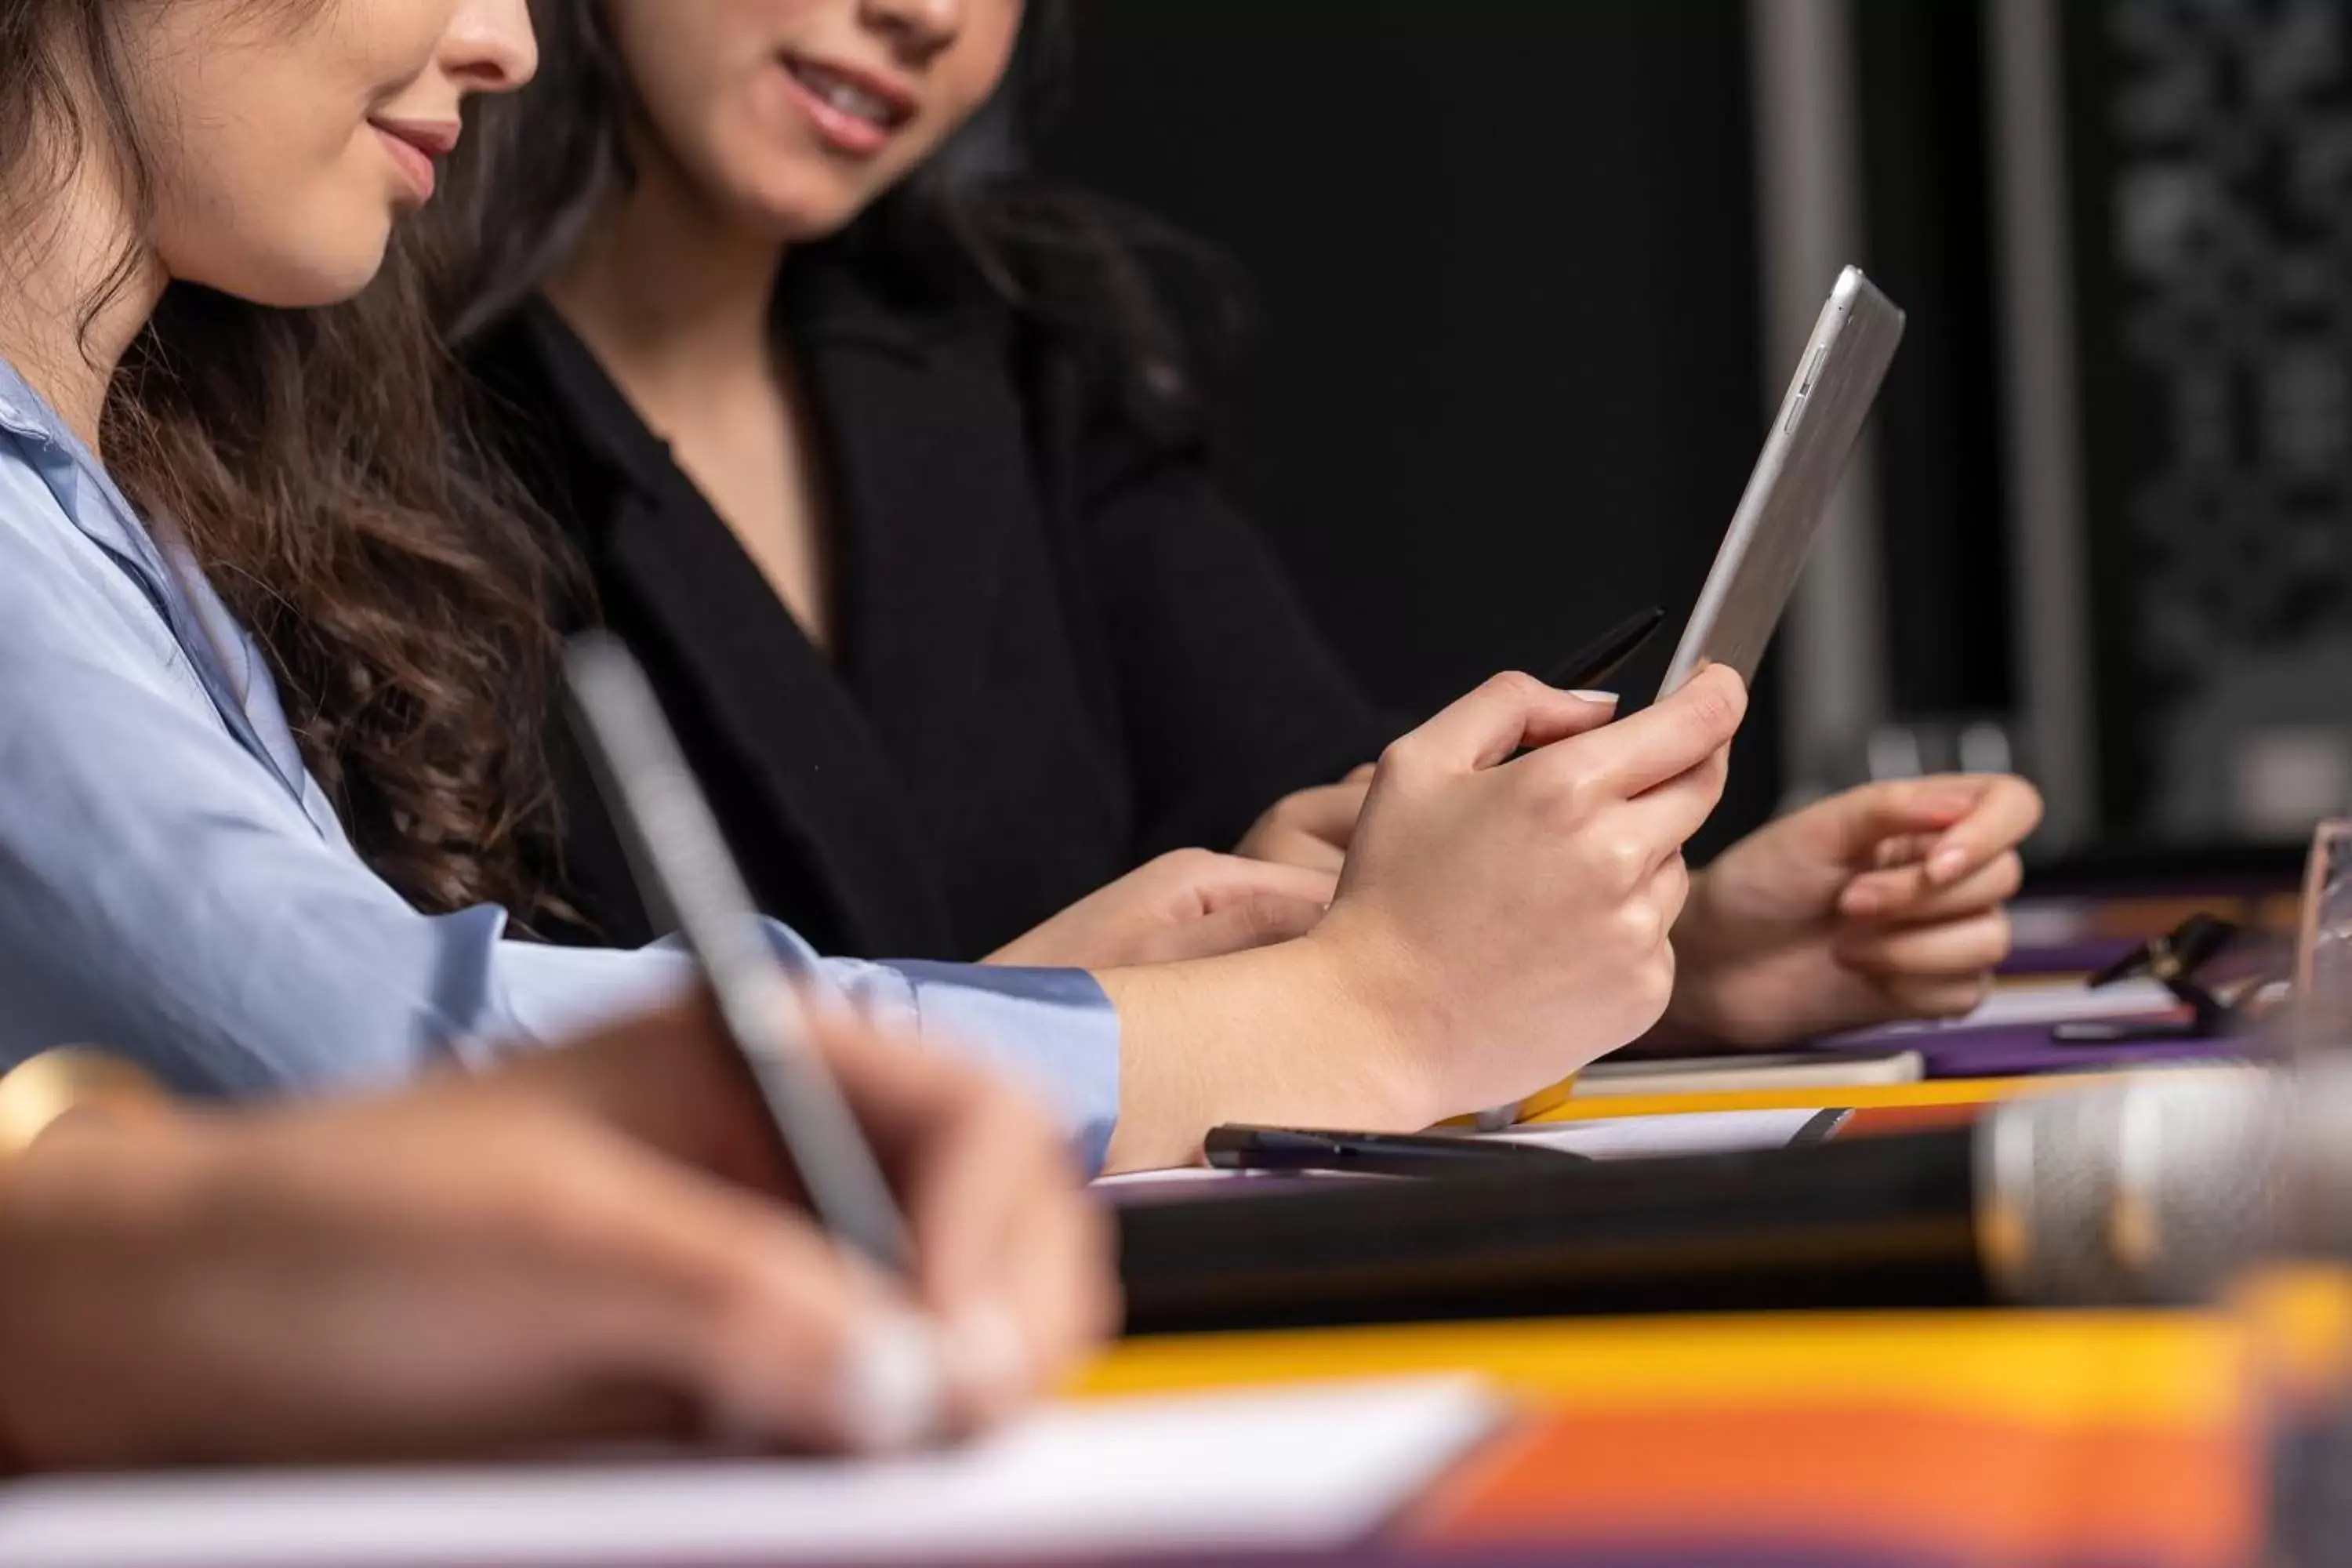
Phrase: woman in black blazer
(1056, 651)
(981, 634)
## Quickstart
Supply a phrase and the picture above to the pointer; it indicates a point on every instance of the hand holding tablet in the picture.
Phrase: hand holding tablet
(1835, 385)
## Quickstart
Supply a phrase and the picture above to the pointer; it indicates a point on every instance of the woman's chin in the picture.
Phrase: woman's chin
(286, 280)
(804, 212)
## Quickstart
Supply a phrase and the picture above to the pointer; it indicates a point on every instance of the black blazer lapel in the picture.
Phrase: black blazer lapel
(778, 708)
(769, 699)
(916, 432)
(954, 630)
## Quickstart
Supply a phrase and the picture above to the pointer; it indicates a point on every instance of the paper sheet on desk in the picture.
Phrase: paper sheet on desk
(1633, 1137)
(2056, 1002)
(1611, 1137)
(1316, 1467)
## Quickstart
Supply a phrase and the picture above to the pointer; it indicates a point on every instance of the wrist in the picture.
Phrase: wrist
(37, 1094)
(1373, 1022)
(1297, 1034)
(99, 1246)
(1688, 1026)
(53, 1110)
(1691, 1019)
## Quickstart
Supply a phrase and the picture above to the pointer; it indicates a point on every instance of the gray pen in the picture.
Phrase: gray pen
(683, 870)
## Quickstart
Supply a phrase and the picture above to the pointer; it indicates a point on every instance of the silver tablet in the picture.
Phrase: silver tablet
(1756, 570)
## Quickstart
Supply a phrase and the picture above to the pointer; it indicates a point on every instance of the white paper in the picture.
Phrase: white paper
(2059, 1003)
(1174, 1174)
(2055, 1002)
(1731, 1074)
(1312, 1467)
(1601, 1138)
(1694, 1133)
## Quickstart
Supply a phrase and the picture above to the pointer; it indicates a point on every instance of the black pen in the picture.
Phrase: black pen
(1586, 669)
(1588, 665)
(683, 869)
(1236, 1147)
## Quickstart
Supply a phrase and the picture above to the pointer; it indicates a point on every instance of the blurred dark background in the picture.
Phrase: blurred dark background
(1510, 263)
(1504, 395)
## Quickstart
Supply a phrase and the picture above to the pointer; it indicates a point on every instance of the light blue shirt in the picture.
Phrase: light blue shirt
(175, 885)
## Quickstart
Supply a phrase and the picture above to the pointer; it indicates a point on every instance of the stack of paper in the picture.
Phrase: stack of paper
(1746, 1072)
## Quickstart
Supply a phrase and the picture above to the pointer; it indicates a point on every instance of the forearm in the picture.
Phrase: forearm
(1681, 1033)
(86, 1229)
(1685, 1028)
(1282, 1035)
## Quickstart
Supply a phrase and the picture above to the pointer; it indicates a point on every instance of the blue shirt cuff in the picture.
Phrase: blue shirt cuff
(1053, 1030)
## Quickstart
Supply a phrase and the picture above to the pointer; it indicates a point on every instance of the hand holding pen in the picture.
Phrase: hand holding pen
(976, 1290)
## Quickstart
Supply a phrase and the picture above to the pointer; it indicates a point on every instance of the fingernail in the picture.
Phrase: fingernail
(988, 1356)
(1604, 698)
(893, 1389)
(1947, 864)
(1861, 902)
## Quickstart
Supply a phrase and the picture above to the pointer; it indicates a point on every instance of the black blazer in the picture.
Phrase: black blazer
(1060, 651)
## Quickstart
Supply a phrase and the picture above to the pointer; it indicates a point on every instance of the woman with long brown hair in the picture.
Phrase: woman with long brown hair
(271, 652)
(594, 1243)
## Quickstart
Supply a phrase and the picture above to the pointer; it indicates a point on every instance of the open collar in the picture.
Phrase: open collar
(69, 466)
(95, 506)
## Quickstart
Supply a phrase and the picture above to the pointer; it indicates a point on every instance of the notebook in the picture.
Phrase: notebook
(1311, 1467)
(1730, 1074)
(1654, 1137)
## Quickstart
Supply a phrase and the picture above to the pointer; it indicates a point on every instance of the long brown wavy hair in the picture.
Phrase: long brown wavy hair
(318, 464)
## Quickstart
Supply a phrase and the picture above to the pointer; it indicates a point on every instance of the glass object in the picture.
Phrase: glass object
(2321, 1017)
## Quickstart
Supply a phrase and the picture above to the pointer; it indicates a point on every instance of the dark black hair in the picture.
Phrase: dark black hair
(1156, 309)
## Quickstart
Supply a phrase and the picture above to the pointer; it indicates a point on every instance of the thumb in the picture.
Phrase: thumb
(1858, 821)
(844, 1366)
(1222, 883)
(1261, 919)
(1507, 713)
(1248, 904)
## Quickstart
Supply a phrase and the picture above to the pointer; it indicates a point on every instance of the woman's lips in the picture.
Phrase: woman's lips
(414, 146)
(852, 111)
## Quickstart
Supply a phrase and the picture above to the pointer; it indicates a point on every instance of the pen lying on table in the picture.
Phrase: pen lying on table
(1243, 1148)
